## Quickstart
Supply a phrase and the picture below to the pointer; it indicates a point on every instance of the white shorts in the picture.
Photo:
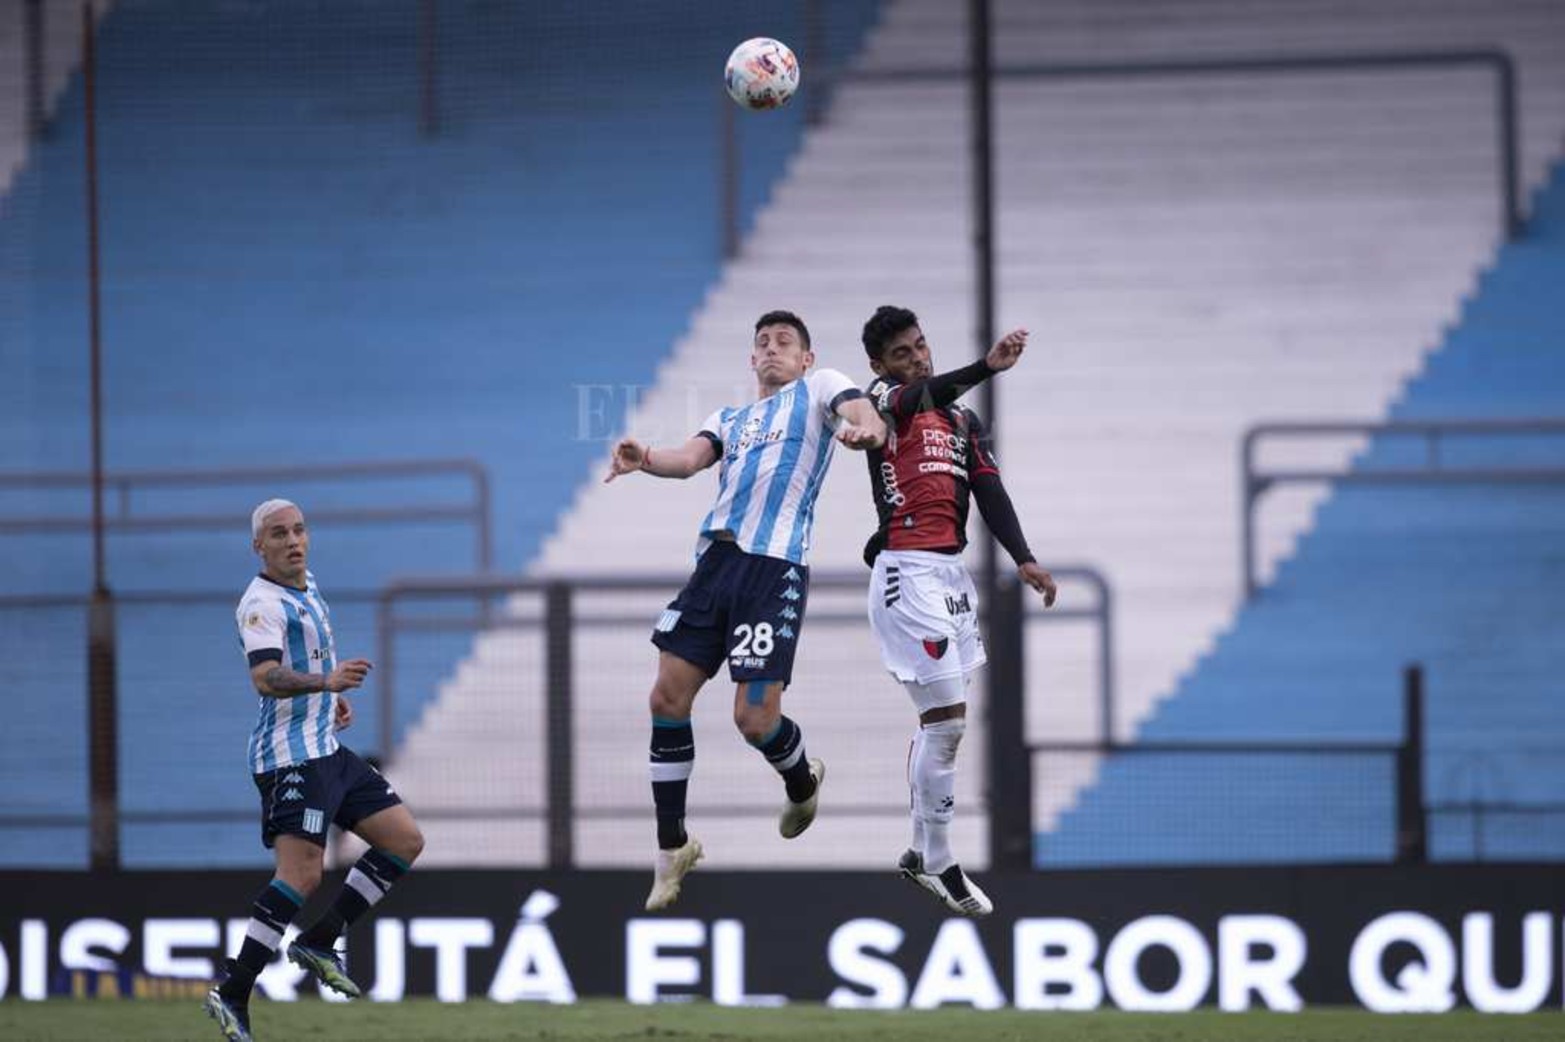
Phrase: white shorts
(924, 611)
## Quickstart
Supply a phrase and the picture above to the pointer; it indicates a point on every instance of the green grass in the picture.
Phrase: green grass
(606, 1019)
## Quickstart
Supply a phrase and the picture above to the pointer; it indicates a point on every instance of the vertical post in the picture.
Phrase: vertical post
(1412, 837)
(428, 70)
(1106, 716)
(561, 750)
(1010, 785)
(1249, 490)
(1506, 118)
(1010, 760)
(815, 59)
(386, 674)
(728, 175)
(981, 118)
(102, 707)
(485, 539)
(36, 77)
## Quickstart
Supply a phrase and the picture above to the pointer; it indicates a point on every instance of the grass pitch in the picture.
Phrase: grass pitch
(611, 1019)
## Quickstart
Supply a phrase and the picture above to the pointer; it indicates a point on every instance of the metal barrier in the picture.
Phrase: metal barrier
(559, 619)
(103, 710)
(1254, 483)
(124, 518)
(1405, 832)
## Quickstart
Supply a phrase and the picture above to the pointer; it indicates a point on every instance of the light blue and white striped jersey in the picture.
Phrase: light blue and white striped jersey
(296, 623)
(774, 457)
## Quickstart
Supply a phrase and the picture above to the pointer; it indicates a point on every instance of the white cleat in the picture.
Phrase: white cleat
(953, 887)
(796, 817)
(668, 873)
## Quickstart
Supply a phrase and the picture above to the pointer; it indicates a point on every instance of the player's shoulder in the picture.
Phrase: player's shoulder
(830, 381)
(882, 390)
(259, 603)
(258, 592)
(964, 415)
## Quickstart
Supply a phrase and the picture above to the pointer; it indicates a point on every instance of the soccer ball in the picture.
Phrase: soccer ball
(762, 73)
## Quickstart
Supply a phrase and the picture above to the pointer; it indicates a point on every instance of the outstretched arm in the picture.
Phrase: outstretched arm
(694, 456)
(942, 389)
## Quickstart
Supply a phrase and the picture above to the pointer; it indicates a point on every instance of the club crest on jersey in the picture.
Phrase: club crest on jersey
(752, 433)
(937, 648)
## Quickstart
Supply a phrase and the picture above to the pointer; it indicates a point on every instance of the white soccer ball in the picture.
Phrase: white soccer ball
(762, 73)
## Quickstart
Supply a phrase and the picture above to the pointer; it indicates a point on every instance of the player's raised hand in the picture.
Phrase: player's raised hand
(348, 675)
(342, 715)
(629, 455)
(856, 437)
(1007, 350)
(1039, 579)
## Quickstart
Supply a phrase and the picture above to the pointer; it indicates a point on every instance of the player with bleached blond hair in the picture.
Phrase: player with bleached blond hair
(307, 780)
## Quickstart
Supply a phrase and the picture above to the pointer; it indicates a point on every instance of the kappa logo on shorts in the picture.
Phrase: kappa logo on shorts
(937, 648)
(293, 778)
(292, 794)
(314, 821)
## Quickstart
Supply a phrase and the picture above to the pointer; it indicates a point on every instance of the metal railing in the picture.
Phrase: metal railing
(1499, 62)
(217, 683)
(1406, 831)
(1255, 482)
(127, 516)
(559, 620)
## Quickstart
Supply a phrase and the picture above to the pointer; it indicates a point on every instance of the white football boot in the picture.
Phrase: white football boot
(668, 873)
(796, 817)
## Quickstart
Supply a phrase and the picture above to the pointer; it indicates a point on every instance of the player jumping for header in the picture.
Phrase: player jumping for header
(922, 604)
(745, 601)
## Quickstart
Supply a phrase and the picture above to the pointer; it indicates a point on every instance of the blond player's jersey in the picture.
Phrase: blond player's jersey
(294, 627)
(774, 454)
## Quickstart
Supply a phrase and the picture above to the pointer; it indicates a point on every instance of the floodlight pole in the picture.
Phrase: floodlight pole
(102, 707)
(1009, 782)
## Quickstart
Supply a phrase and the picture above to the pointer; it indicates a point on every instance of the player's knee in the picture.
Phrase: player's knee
(411, 845)
(304, 877)
(668, 702)
(943, 737)
(755, 727)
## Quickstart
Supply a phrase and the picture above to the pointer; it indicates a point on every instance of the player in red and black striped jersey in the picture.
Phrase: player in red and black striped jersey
(922, 603)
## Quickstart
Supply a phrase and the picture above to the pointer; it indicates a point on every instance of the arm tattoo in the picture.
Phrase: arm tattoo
(285, 683)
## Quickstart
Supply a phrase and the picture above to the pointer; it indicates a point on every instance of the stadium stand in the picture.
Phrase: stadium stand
(1195, 255)
(1462, 578)
(274, 223)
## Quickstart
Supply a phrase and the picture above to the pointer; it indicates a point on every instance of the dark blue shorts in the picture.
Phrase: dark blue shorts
(741, 607)
(301, 800)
